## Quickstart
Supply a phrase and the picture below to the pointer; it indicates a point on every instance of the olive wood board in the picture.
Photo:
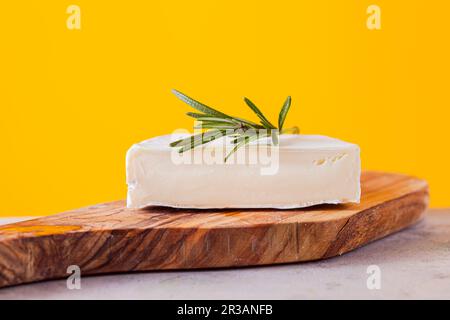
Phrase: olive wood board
(110, 238)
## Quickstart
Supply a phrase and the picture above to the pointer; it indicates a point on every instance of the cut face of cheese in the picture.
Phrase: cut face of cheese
(303, 170)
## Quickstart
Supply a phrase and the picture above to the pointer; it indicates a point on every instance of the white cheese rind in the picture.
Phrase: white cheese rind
(310, 170)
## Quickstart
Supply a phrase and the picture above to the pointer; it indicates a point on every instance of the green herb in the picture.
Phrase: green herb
(219, 124)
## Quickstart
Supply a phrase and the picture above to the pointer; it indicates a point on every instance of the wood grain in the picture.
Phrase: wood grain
(110, 238)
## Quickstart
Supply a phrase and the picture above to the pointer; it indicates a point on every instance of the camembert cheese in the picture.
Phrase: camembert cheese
(303, 170)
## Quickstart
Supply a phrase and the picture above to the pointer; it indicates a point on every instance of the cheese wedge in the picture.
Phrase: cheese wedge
(303, 170)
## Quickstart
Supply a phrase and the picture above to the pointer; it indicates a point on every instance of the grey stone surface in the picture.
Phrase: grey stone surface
(414, 264)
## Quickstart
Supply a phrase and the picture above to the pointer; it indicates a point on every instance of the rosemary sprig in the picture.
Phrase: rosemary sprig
(219, 124)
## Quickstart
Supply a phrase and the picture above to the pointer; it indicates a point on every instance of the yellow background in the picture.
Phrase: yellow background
(73, 101)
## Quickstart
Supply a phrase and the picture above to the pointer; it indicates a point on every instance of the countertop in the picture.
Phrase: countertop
(412, 264)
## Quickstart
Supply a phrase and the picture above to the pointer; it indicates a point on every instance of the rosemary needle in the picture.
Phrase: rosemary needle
(219, 124)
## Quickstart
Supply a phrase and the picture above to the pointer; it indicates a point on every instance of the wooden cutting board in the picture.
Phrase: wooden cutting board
(110, 238)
